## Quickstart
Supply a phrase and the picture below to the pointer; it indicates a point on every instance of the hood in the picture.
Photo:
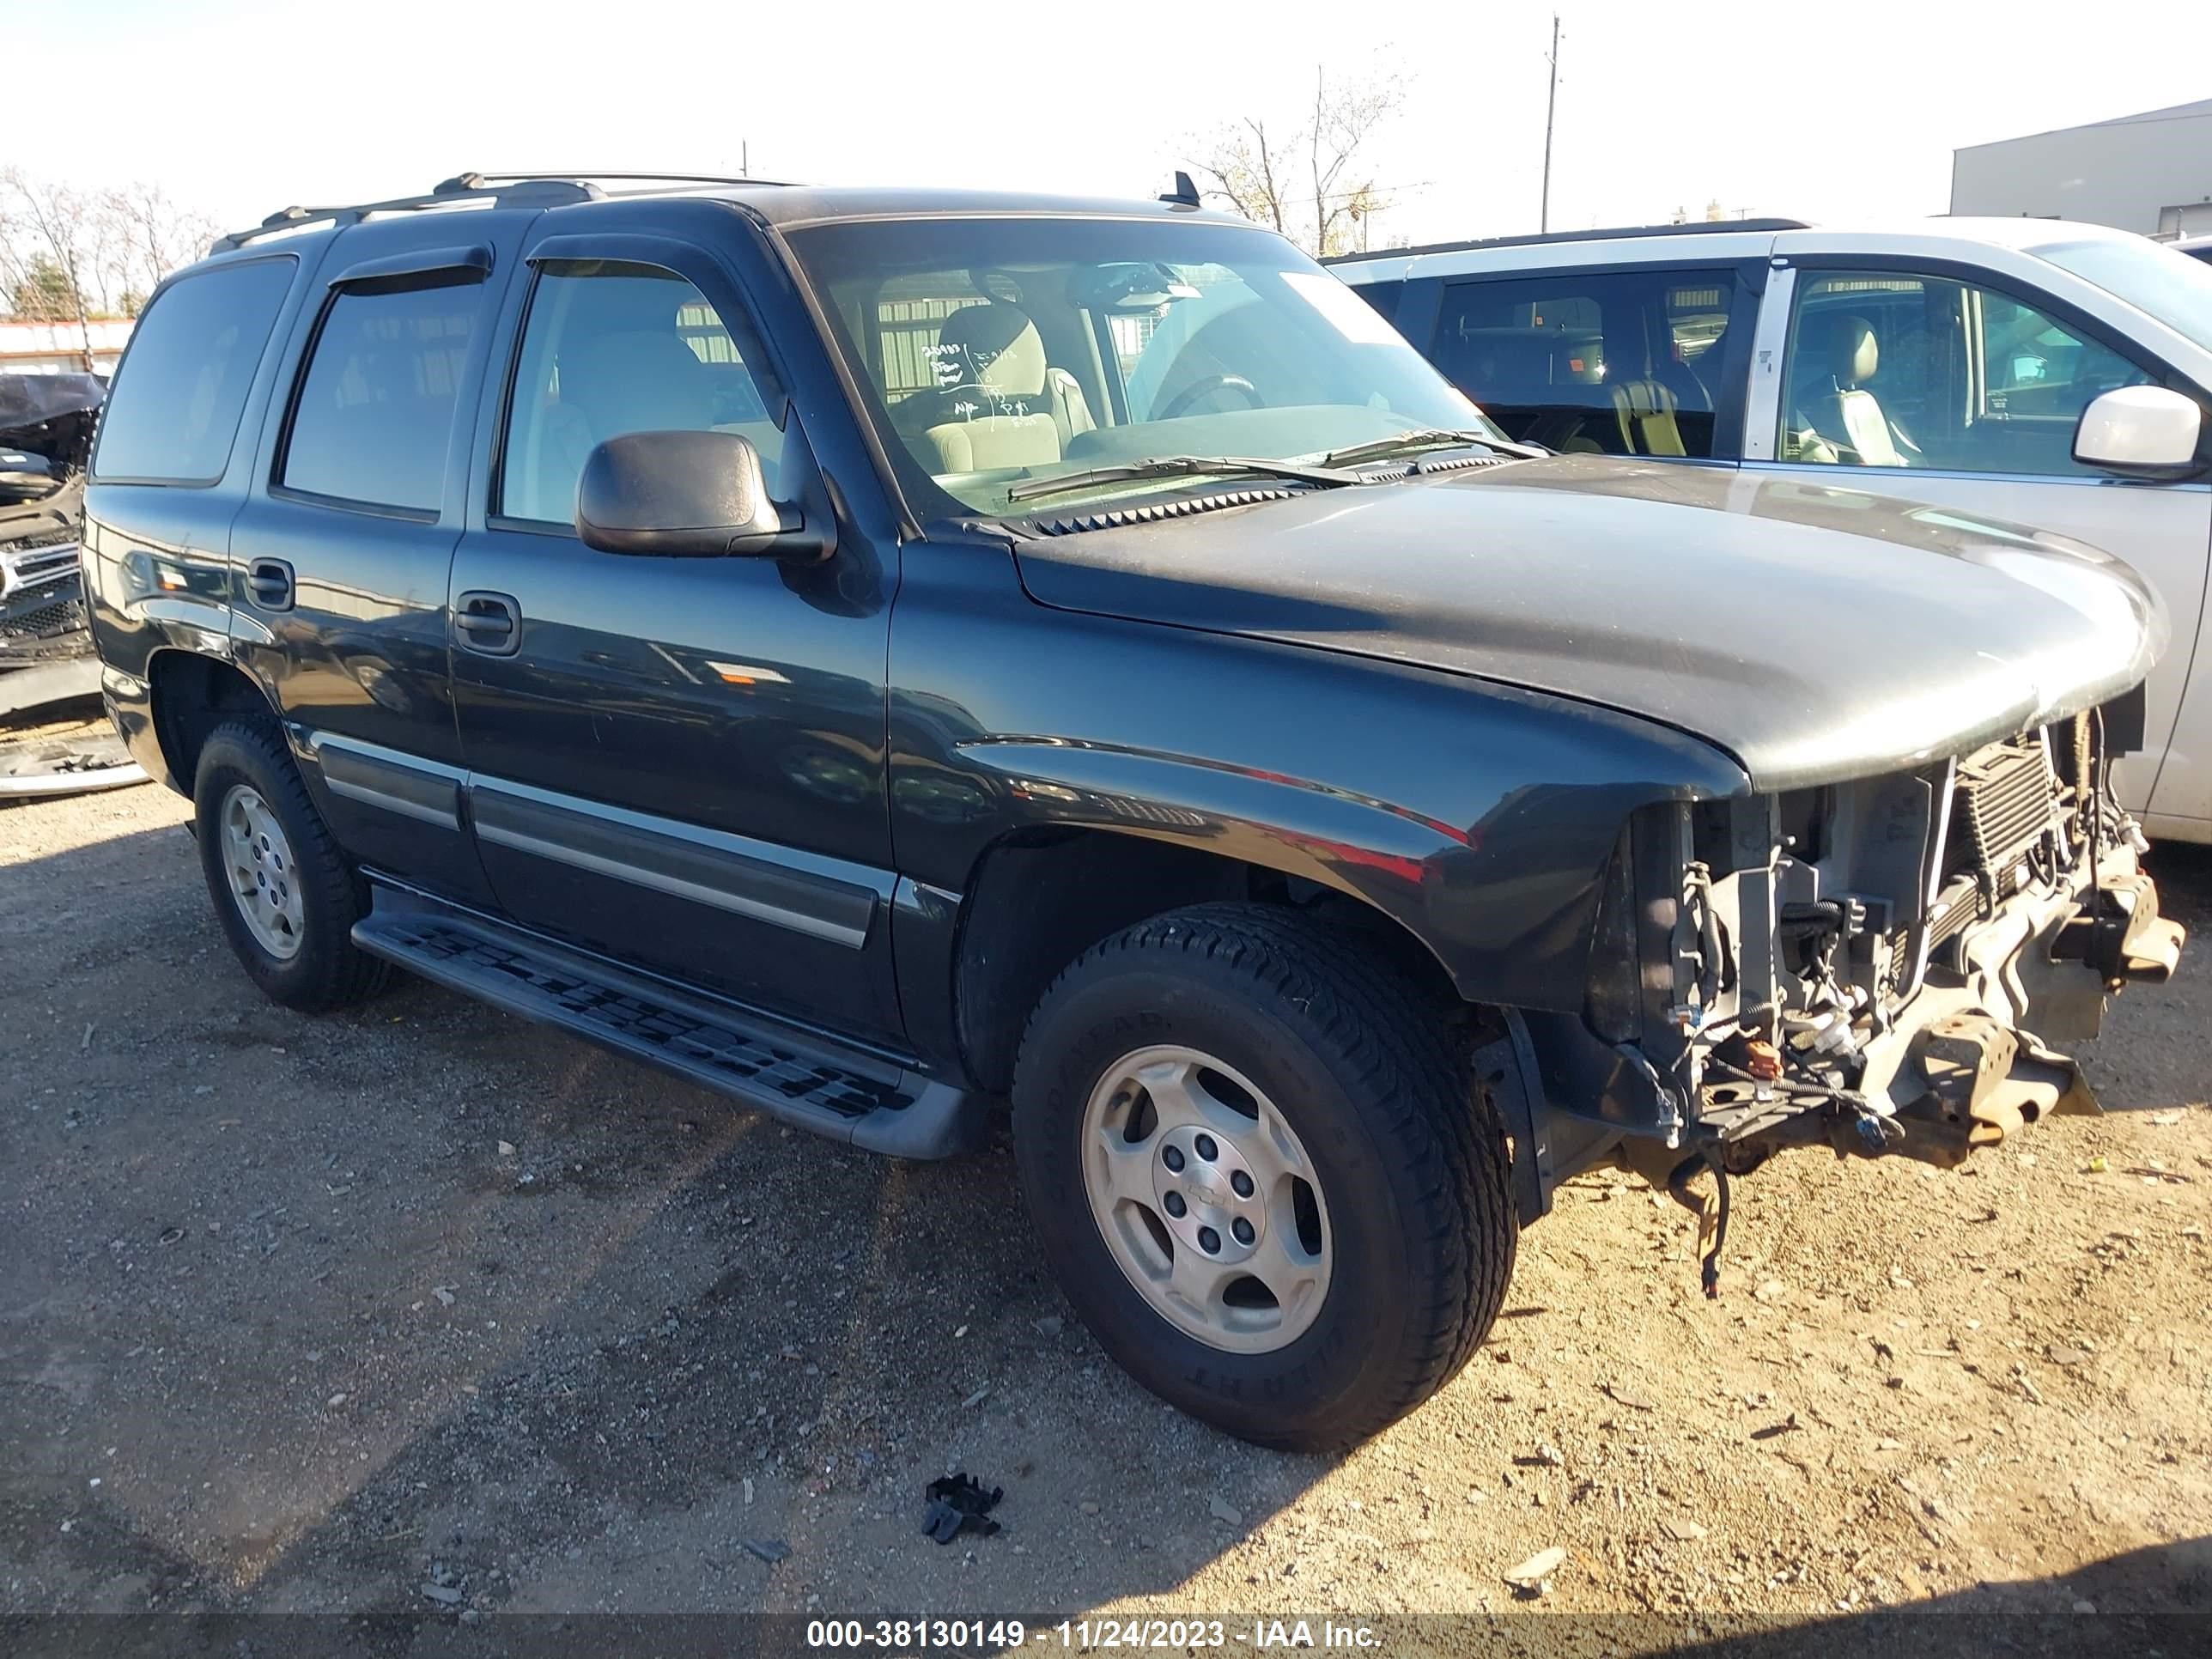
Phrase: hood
(1814, 634)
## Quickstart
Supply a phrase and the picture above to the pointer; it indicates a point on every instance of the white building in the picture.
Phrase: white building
(47, 347)
(2150, 172)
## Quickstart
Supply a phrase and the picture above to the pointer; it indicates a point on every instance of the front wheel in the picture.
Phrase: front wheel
(1260, 1174)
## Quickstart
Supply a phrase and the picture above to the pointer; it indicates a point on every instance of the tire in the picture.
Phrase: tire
(243, 762)
(1410, 1232)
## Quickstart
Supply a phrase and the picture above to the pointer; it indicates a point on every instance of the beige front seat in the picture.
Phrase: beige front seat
(1843, 411)
(1009, 408)
(1644, 412)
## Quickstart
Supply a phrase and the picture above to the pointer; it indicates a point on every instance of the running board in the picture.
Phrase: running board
(799, 1078)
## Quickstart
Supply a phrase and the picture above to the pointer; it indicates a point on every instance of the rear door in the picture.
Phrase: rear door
(343, 550)
(1979, 381)
(678, 762)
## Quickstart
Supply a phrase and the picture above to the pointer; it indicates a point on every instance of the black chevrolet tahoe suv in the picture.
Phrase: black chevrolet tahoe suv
(885, 655)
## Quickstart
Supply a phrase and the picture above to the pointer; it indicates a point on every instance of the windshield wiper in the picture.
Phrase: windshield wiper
(1178, 466)
(1428, 437)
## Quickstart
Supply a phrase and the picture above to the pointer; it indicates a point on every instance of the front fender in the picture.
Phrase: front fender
(1480, 817)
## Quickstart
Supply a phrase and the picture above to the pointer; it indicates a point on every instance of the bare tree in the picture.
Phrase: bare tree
(145, 236)
(1241, 162)
(47, 229)
(1342, 123)
(1254, 168)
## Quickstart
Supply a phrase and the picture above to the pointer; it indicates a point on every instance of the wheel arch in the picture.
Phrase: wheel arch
(191, 693)
(1039, 898)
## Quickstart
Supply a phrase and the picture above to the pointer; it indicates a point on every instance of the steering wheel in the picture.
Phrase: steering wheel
(1197, 390)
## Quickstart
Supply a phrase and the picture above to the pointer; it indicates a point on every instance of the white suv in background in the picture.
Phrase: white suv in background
(2052, 374)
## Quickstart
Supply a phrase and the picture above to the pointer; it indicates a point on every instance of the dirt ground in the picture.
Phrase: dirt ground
(423, 1309)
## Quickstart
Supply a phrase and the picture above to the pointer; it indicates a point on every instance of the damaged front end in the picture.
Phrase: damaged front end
(53, 739)
(1880, 966)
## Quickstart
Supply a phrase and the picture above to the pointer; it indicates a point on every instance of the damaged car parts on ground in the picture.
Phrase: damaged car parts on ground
(884, 654)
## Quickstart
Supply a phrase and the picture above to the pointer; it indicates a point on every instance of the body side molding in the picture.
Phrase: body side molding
(825, 898)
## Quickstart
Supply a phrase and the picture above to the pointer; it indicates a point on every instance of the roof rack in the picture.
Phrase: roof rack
(1696, 227)
(491, 188)
(584, 175)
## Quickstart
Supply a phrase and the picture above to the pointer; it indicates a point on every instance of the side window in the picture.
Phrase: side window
(1886, 369)
(173, 414)
(612, 348)
(1613, 362)
(374, 414)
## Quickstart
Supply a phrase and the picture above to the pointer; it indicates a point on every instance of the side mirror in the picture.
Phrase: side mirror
(2139, 432)
(24, 476)
(685, 494)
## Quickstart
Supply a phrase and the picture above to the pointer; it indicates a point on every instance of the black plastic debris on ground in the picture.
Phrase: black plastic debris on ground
(957, 1504)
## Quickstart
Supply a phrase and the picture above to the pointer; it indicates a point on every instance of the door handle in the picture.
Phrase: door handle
(269, 583)
(488, 623)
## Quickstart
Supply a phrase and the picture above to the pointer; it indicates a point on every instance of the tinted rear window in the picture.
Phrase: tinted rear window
(1617, 363)
(173, 414)
(376, 409)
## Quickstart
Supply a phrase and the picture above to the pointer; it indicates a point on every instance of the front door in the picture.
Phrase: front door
(1959, 393)
(678, 762)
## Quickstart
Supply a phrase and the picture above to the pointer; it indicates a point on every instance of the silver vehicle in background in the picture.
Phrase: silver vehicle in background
(2054, 375)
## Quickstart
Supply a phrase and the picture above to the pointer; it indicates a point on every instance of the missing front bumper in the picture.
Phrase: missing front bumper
(1968, 1060)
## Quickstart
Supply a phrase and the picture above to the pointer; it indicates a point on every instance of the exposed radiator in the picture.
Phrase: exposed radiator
(2005, 804)
(2005, 801)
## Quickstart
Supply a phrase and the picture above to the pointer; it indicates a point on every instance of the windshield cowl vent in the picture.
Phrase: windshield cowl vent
(1152, 512)
(1459, 462)
(1421, 467)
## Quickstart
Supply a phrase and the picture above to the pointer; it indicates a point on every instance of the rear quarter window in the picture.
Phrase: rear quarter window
(172, 415)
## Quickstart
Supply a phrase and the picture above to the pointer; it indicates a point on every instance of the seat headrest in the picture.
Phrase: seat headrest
(996, 347)
(1854, 354)
(637, 381)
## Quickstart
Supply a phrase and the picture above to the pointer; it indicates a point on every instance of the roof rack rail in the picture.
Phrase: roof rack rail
(493, 188)
(584, 175)
(1696, 227)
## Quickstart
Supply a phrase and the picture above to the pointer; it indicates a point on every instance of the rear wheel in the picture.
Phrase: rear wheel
(1260, 1175)
(285, 894)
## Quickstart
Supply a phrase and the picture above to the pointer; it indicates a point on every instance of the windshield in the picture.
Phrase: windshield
(995, 351)
(2169, 286)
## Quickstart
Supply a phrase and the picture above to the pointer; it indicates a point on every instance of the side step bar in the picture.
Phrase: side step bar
(796, 1077)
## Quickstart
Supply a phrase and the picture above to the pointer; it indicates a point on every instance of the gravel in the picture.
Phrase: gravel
(286, 1319)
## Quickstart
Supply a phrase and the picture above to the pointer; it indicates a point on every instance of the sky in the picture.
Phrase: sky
(1827, 113)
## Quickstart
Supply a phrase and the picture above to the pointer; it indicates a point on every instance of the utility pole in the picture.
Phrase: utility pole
(1551, 103)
